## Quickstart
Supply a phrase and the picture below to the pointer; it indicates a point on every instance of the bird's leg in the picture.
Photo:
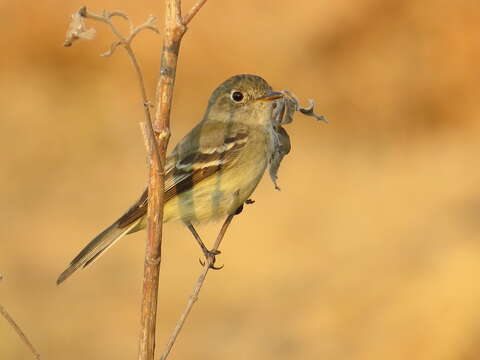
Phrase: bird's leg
(208, 253)
(239, 210)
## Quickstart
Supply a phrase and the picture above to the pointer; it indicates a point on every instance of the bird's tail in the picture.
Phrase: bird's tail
(97, 247)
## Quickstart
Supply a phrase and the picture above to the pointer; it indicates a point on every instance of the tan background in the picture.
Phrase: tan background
(371, 249)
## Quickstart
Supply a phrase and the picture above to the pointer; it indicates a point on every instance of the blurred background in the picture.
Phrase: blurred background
(370, 251)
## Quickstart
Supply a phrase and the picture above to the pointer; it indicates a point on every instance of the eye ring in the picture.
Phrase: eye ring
(237, 96)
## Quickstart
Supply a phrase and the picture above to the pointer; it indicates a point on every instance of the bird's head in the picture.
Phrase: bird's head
(246, 98)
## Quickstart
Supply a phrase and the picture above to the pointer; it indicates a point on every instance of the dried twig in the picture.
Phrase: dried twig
(18, 330)
(77, 30)
(157, 133)
(175, 28)
(193, 11)
(157, 159)
(196, 290)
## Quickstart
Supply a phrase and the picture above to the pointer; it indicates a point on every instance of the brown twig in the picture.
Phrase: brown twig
(18, 330)
(158, 135)
(126, 42)
(196, 290)
(174, 30)
(193, 11)
(157, 159)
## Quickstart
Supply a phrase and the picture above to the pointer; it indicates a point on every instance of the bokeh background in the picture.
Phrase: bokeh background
(370, 251)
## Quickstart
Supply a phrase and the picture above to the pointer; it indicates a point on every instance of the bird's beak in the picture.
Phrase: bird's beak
(274, 95)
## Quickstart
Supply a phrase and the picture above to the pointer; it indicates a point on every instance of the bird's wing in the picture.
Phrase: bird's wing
(193, 160)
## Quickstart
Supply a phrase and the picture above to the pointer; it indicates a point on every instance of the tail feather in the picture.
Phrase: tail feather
(97, 247)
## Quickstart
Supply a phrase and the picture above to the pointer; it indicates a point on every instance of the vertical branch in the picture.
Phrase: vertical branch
(174, 30)
(161, 129)
(156, 132)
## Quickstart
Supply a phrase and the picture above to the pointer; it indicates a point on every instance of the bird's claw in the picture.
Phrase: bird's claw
(210, 258)
(213, 267)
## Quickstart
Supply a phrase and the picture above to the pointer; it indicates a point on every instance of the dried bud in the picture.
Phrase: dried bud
(77, 29)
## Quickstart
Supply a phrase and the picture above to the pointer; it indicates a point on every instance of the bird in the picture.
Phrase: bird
(212, 171)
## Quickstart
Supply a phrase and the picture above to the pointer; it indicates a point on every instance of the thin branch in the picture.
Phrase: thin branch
(113, 47)
(178, 10)
(158, 135)
(173, 33)
(193, 11)
(196, 290)
(156, 156)
(119, 14)
(146, 139)
(148, 25)
(19, 331)
(126, 42)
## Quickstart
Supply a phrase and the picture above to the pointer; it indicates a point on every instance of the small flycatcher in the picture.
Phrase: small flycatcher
(213, 170)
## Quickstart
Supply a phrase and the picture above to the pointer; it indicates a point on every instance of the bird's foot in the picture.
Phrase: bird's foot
(210, 259)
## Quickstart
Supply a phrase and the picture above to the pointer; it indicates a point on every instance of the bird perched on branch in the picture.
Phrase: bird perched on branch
(212, 171)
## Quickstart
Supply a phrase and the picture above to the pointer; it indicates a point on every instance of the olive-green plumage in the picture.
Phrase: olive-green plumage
(213, 170)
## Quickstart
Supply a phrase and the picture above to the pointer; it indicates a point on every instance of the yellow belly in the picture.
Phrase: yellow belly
(224, 192)
(218, 195)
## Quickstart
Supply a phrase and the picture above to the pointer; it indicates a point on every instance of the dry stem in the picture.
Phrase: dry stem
(196, 290)
(193, 11)
(156, 158)
(175, 28)
(126, 43)
(18, 330)
(158, 135)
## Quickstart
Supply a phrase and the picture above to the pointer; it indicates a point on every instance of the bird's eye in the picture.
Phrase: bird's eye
(236, 96)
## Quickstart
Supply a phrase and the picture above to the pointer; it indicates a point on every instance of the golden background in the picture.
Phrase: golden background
(371, 249)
